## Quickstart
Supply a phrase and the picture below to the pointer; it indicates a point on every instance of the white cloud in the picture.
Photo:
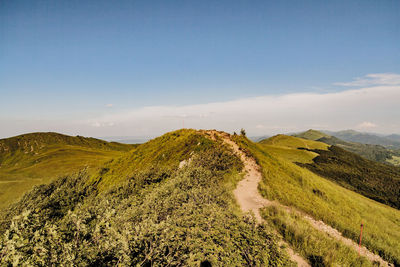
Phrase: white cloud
(366, 125)
(371, 107)
(373, 79)
(109, 105)
(271, 114)
(102, 124)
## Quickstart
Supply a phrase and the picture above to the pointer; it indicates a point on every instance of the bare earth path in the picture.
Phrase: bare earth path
(247, 193)
(250, 200)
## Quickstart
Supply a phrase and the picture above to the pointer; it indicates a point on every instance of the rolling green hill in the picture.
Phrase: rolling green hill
(377, 181)
(38, 158)
(288, 146)
(322, 198)
(312, 135)
(372, 152)
(168, 202)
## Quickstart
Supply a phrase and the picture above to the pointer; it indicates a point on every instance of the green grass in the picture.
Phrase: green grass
(164, 152)
(341, 208)
(317, 247)
(38, 158)
(288, 147)
(395, 160)
(377, 153)
(158, 215)
(286, 141)
(312, 135)
(375, 180)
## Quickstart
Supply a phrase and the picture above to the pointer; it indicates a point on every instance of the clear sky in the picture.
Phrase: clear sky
(104, 68)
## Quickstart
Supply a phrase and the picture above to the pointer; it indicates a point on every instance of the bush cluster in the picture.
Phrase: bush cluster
(157, 217)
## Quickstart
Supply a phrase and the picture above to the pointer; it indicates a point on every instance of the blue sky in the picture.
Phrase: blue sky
(65, 63)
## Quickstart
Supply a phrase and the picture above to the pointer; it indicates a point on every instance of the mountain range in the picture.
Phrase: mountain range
(383, 151)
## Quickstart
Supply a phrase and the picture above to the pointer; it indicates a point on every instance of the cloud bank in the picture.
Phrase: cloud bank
(374, 79)
(373, 107)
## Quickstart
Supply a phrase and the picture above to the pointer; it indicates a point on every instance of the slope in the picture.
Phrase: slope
(293, 148)
(168, 202)
(366, 138)
(311, 135)
(377, 181)
(375, 152)
(37, 158)
(340, 208)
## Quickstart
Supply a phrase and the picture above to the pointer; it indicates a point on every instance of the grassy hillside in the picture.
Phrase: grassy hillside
(377, 181)
(37, 158)
(323, 199)
(162, 153)
(372, 152)
(311, 135)
(289, 147)
(132, 213)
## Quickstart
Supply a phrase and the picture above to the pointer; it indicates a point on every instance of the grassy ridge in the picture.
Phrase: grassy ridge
(154, 216)
(312, 135)
(38, 158)
(287, 146)
(377, 181)
(341, 208)
(164, 152)
(374, 152)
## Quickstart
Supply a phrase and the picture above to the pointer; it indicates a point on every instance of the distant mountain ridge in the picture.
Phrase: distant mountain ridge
(373, 152)
(389, 141)
(394, 137)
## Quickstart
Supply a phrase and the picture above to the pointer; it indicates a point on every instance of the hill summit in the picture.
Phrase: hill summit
(312, 135)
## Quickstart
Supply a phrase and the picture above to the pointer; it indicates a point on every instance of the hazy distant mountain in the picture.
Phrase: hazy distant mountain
(127, 139)
(394, 137)
(391, 141)
(259, 138)
(374, 152)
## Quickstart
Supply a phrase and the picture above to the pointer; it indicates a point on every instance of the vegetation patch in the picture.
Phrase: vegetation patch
(38, 158)
(319, 248)
(340, 208)
(377, 181)
(157, 216)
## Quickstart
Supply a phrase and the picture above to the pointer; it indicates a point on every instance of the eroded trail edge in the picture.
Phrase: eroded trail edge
(250, 200)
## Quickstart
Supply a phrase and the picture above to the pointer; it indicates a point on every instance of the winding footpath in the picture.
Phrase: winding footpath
(250, 200)
(247, 194)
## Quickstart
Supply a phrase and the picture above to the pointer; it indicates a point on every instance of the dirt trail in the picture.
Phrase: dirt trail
(247, 193)
(250, 200)
(332, 232)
